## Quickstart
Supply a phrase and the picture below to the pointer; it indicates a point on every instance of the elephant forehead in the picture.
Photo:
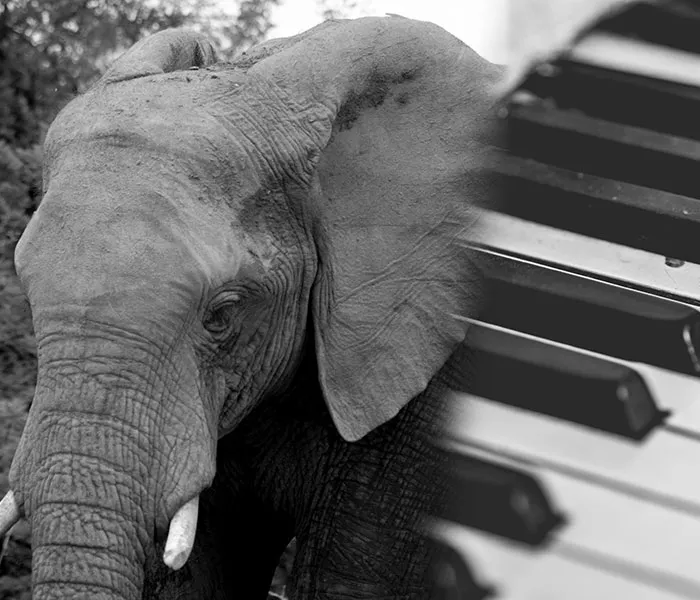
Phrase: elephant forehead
(239, 131)
(121, 242)
(192, 154)
(166, 145)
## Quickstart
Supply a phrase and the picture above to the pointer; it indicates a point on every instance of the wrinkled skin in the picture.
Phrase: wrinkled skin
(243, 280)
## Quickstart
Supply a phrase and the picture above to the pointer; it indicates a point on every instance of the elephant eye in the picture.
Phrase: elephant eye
(219, 318)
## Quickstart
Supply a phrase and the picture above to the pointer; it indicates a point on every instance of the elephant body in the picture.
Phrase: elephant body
(287, 472)
(244, 281)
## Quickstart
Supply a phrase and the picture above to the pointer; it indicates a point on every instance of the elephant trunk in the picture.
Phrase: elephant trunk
(85, 497)
(106, 470)
(85, 551)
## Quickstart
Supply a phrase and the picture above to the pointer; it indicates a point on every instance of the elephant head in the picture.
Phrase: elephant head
(205, 226)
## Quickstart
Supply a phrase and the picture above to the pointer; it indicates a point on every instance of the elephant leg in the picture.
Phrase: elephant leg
(237, 547)
(362, 536)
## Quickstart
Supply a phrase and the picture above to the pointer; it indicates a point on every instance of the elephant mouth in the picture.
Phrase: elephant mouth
(178, 545)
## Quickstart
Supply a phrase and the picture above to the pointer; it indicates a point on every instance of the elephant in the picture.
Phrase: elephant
(244, 280)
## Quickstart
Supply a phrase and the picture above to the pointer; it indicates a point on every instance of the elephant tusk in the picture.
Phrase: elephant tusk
(181, 535)
(9, 512)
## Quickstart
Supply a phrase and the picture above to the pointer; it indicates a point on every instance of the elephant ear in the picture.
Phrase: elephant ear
(397, 185)
(163, 52)
(398, 119)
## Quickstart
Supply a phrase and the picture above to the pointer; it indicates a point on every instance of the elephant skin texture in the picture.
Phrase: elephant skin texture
(243, 280)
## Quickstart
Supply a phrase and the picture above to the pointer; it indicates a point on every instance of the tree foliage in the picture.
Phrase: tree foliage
(51, 50)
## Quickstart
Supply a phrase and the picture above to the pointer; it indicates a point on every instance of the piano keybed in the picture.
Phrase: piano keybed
(576, 445)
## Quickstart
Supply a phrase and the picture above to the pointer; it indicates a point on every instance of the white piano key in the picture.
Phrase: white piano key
(672, 391)
(521, 573)
(675, 392)
(614, 528)
(525, 260)
(646, 59)
(663, 467)
(582, 254)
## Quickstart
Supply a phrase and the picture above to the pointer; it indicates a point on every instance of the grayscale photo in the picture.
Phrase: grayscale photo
(349, 299)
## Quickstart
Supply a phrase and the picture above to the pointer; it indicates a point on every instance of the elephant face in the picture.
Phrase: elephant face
(160, 218)
(196, 224)
(169, 283)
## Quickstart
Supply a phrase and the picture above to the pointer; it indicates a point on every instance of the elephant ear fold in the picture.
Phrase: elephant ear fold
(163, 52)
(396, 188)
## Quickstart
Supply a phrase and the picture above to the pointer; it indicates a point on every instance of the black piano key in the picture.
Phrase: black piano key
(674, 24)
(499, 500)
(623, 213)
(575, 141)
(541, 377)
(452, 577)
(590, 314)
(668, 107)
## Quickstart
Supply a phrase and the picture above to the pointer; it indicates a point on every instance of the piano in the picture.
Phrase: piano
(575, 445)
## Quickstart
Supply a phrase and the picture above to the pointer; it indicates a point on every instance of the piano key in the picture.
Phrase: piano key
(451, 576)
(581, 254)
(499, 499)
(614, 530)
(576, 141)
(616, 211)
(670, 24)
(634, 507)
(674, 393)
(557, 380)
(614, 96)
(526, 574)
(552, 303)
(612, 51)
(663, 468)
